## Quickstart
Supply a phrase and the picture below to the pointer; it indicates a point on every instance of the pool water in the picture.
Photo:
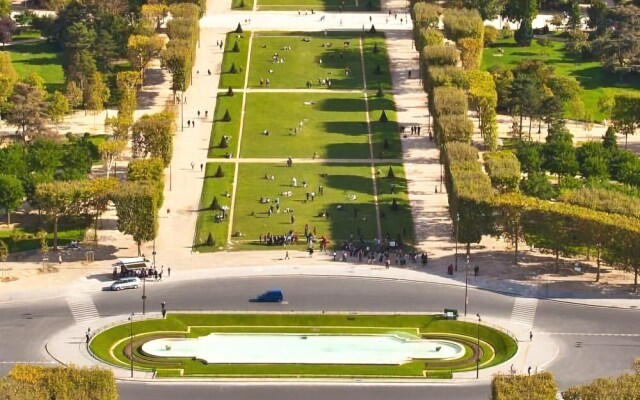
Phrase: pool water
(257, 348)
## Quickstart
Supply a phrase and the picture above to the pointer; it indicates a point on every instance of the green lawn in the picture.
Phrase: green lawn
(40, 58)
(26, 34)
(319, 58)
(590, 74)
(227, 78)
(385, 137)
(213, 187)
(23, 237)
(497, 347)
(221, 128)
(318, 5)
(333, 125)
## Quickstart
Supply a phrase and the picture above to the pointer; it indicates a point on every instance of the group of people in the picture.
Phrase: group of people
(151, 272)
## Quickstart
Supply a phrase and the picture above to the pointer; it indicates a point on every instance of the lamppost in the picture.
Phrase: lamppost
(131, 341)
(466, 285)
(457, 230)
(478, 343)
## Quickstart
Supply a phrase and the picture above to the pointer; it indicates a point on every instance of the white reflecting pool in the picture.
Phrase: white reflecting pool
(256, 348)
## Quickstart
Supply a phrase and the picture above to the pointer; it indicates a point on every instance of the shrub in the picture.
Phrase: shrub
(227, 116)
(215, 205)
(230, 92)
(462, 23)
(224, 142)
(429, 37)
(210, 240)
(233, 69)
(390, 174)
(375, 48)
(383, 117)
(394, 205)
(373, 29)
(453, 128)
(426, 15)
(380, 93)
(503, 168)
(491, 35)
(238, 28)
(439, 56)
(219, 172)
(470, 52)
(449, 101)
(506, 32)
(236, 47)
(521, 386)
(524, 34)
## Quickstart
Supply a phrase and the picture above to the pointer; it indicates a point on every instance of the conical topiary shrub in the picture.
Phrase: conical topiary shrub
(236, 47)
(383, 117)
(394, 205)
(238, 28)
(227, 116)
(233, 69)
(210, 240)
(215, 205)
(224, 143)
(230, 92)
(373, 29)
(242, 5)
(219, 172)
(375, 48)
(378, 70)
(380, 93)
(390, 173)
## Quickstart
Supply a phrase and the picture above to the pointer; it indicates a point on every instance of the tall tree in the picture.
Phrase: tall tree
(559, 152)
(28, 110)
(7, 27)
(101, 190)
(11, 194)
(489, 9)
(58, 107)
(153, 136)
(626, 114)
(143, 49)
(136, 206)
(110, 151)
(96, 93)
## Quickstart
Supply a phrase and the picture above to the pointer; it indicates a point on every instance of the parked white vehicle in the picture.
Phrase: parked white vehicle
(126, 283)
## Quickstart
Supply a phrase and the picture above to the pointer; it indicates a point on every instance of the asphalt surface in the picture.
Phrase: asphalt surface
(591, 339)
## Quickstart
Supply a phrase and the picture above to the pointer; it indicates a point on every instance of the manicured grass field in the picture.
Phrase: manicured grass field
(213, 187)
(40, 58)
(595, 80)
(319, 58)
(497, 346)
(385, 137)
(227, 78)
(221, 128)
(318, 5)
(333, 125)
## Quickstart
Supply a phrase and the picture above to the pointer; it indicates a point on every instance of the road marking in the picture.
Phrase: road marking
(590, 334)
(82, 307)
(30, 362)
(524, 311)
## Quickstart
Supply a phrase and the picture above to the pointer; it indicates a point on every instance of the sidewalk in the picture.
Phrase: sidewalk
(69, 347)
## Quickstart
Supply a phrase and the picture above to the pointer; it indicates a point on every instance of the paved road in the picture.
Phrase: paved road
(609, 336)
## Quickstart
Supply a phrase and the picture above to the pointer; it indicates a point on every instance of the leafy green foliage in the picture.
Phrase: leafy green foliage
(541, 386)
(504, 170)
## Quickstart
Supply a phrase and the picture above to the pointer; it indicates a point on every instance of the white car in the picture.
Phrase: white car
(126, 283)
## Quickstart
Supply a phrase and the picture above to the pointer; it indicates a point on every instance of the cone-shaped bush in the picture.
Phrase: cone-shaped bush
(375, 48)
(242, 5)
(236, 47)
(378, 70)
(390, 174)
(233, 69)
(230, 91)
(210, 240)
(219, 172)
(380, 93)
(238, 28)
(394, 205)
(383, 117)
(224, 143)
(227, 116)
(215, 205)
(373, 29)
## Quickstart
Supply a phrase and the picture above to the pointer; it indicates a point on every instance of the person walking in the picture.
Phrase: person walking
(169, 269)
(60, 259)
(286, 255)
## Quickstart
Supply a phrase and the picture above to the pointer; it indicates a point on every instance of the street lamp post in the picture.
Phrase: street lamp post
(478, 343)
(131, 341)
(457, 231)
(466, 285)
(182, 111)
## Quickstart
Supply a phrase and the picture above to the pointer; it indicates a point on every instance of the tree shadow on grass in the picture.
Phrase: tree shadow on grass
(342, 105)
(351, 128)
(348, 150)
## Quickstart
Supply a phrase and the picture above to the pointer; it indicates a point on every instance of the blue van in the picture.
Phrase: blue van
(270, 296)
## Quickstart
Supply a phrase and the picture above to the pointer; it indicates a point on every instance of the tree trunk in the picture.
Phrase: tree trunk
(557, 260)
(598, 264)
(8, 216)
(635, 279)
(139, 252)
(95, 228)
(55, 233)
(515, 256)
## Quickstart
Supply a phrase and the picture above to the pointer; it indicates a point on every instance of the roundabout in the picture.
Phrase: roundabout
(316, 345)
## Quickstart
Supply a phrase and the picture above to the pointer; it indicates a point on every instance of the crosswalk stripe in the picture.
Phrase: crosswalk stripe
(82, 308)
(524, 311)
